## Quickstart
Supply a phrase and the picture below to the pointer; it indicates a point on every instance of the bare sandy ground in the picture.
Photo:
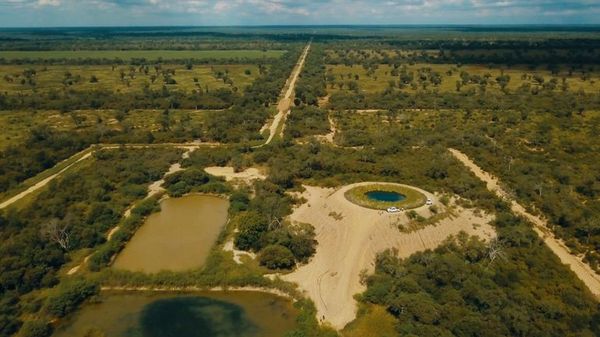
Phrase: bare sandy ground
(283, 107)
(349, 245)
(540, 226)
(229, 174)
(237, 254)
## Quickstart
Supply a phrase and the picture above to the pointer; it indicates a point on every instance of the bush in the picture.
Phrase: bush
(35, 329)
(276, 257)
(252, 226)
(69, 296)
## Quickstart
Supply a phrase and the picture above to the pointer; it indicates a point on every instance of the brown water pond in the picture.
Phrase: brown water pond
(203, 314)
(177, 238)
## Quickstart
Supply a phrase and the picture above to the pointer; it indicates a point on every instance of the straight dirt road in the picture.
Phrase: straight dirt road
(540, 226)
(41, 183)
(284, 105)
(283, 108)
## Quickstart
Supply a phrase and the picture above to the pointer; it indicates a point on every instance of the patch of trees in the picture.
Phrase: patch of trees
(67, 297)
(261, 229)
(43, 149)
(513, 287)
(563, 104)
(145, 98)
(311, 84)
(193, 180)
(73, 212)
(507, 51)
(307, 120)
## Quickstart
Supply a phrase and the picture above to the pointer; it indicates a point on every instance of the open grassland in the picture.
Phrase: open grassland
(139, 54)
(372, 321)
(124, 79)
(18, 125)
(419, 77)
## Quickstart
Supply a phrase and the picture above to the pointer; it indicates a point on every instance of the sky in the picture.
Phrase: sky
(52, 13)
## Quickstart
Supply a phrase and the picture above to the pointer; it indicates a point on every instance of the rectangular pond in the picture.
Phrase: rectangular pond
(177, 238)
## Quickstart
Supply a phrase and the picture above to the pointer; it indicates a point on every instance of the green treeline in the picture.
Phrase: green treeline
(74, 212)
(459, 290)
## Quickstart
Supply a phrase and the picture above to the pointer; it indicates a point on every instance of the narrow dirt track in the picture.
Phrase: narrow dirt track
(283, 107)
(41, 183)
(589, 277)
(45, 181)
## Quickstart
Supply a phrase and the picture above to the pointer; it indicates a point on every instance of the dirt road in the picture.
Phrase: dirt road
(540, 226)
(283, 107)
(92, 149)
(42, 183)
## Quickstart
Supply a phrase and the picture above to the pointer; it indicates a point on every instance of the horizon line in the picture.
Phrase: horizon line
(432, 25)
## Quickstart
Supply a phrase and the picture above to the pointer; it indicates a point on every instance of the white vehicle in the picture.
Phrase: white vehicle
(393, 209)
(429, 202)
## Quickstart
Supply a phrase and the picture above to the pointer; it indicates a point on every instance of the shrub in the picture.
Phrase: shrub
(252, 227)
(69, 296)
(35, 329)
(276, 257)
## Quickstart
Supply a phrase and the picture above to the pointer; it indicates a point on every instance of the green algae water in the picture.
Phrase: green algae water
(177, 238)
(205, 314)
(385, 196)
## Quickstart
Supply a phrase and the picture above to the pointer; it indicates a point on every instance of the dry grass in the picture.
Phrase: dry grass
(450, 73)
(54, 77)
(372, 321)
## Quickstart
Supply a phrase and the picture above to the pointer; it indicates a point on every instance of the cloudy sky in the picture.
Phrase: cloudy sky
(20, 13)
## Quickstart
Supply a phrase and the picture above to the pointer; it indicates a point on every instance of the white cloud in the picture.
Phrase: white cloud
(54, 3)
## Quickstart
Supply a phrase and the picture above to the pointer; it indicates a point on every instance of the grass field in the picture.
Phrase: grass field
(14, 78)
(519, 75)
(147, 54)
(18, 124)
(371, 321)
(358, 196)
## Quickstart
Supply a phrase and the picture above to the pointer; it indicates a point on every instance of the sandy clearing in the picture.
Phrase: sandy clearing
(229, 174)
(283, 107)
(540, 226)
(348, 246)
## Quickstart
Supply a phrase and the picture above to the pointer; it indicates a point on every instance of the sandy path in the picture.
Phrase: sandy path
(283, 107)
(229, 246)
(540, 226)
(348, 246)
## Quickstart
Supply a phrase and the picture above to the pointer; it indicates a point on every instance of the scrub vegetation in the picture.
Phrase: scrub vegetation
(370, 105)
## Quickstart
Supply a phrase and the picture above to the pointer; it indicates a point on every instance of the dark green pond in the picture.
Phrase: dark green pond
(385, 196)
(207, 314)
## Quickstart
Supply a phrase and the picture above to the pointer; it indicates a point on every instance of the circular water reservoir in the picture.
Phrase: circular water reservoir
(385, 196)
